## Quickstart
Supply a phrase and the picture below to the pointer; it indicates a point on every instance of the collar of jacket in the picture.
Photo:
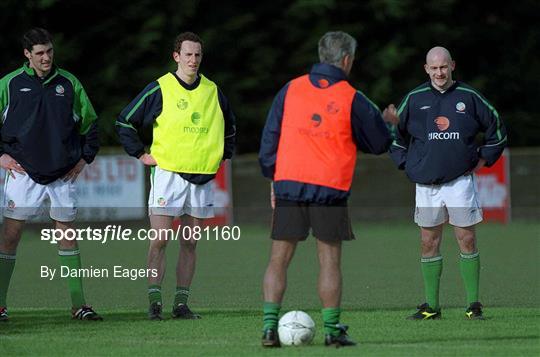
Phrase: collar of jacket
(328, 70)
(32, 73)
(438, 92)
(191, 86)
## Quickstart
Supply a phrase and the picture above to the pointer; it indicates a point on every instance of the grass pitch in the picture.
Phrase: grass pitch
(507, 332)
(382, 285)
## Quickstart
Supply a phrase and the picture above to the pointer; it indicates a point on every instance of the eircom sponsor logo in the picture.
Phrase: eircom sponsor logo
(443, 136)
(443, 123)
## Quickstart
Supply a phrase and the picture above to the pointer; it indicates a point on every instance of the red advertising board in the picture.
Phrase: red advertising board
(494, 189)
(222, 196)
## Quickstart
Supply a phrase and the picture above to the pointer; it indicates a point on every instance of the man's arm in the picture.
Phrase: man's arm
(369, 130)
(4, 102)
(90, 143)
(495, 139)
(271, 134)
(139, 115)
(87, 124)
(399, 147)
(6, 161)
(230, 126)
(86, 118)
(3, 105)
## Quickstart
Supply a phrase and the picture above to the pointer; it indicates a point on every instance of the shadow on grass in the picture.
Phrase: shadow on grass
(43, 321)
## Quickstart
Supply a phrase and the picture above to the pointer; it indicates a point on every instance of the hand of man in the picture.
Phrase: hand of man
(9, 164)
(74, 172)
(390, 115)
(481, 163)
(148, 160)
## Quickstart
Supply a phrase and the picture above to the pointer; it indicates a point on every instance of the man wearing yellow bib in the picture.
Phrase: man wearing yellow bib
(192, 132)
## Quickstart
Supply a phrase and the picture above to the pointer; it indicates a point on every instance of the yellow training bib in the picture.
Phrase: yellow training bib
(188, 134)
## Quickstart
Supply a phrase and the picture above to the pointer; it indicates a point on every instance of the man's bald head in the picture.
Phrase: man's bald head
(439, 66)
(438, 52)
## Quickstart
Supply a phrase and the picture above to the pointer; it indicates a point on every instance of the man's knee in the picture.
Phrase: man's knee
(188, 244)
(431, 240)
(466, 238)
(329, 253)
(280, 260)
(430, 244)
(69, 236)
(12, 232)
(465, 235)
(159, 244)
(282, 252)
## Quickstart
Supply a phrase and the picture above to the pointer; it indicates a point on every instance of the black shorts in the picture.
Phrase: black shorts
(292, 220)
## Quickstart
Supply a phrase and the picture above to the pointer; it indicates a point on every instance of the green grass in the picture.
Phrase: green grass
(48, 332)
(382, 285)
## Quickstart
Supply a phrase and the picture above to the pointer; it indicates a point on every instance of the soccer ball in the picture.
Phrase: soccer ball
(296, 328)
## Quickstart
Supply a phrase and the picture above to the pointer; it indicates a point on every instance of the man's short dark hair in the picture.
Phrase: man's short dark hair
(186, 36)
(36, 36)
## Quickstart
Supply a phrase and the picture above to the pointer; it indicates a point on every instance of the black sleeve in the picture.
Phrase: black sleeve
(90, 143)
(4, 102)
(136, 119)
(400, 145)
(230, 126)
(495, 139)
(271, 134)
(369, 130)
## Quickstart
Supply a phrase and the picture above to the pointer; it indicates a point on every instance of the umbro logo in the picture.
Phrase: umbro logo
(25, 90)
(425, 107)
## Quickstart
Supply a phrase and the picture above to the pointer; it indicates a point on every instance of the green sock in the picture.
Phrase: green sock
(7, 263)
(154, 293)
(431, 271)
(469, 265)
(71, 258)
(331, 320)
(181, 295)
(271, 313)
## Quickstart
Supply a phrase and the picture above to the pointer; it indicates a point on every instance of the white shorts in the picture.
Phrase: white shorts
(455, 202)
(171, 195)
(24, 198)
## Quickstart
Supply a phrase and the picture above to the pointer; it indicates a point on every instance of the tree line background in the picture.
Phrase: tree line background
(251, 49)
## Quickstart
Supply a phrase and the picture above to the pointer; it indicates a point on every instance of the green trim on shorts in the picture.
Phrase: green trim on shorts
(152, 173)
(152, 179)
(6, 179)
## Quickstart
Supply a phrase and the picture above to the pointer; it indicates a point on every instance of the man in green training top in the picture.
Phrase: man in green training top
(49, 134)
(436, 145)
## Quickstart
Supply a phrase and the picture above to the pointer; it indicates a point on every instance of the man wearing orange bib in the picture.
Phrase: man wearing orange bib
(308, 149)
